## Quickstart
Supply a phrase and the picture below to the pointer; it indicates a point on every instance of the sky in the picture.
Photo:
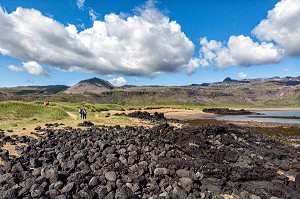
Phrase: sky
(135, 42)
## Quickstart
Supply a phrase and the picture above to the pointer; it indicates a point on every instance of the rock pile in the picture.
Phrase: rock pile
(86, 124)
(156, 117)
(161, 162)
(226, 111)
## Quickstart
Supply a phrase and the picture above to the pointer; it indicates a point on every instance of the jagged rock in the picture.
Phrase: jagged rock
(161, 171)
(94, 182)
(4, 154)
(245, 195)
(68, 187)
(111, 176)
(52, 193)
(179, 193)
(35, 163)
(297, 182)
(38, 128)
(48, 172)
(86, 123)
(186, 184)
(124, 193)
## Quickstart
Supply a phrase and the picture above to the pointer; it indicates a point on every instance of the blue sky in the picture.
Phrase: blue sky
(147, 43)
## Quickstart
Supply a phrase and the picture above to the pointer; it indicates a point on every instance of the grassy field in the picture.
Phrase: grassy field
(14, 113)
(17, 115)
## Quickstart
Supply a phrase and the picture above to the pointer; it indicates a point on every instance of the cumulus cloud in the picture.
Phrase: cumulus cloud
(15, 68)
(239, 51)
(93, 14)
(145, 44)
(243, 75)
(282, 25)
(278, 35)
(34, 68)
(80, 4)
(120, 81)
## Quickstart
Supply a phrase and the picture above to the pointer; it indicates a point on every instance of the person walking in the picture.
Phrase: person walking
(84, 113)
(80, 112)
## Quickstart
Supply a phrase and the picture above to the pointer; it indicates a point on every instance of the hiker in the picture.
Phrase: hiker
(84, 113)
(80, 113)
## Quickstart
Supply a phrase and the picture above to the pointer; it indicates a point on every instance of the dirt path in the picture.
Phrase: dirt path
(74, 116)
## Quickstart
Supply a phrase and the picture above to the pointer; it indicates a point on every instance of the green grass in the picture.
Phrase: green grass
(23, 113)
(74, 107)
(19, 110)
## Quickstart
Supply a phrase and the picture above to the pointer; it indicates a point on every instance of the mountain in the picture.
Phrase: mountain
(272, 92)
(94, 85)
(228, 79)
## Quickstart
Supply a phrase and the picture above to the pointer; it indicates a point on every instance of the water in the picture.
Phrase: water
(266, 113)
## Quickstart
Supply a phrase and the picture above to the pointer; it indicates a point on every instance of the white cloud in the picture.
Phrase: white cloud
(281, 29)
(193, 64)
(93, 14)
(146, 44)
(15, 68)
(120, 81)
(34, 68)
(80, 4)
(282, 25)
(239, 51)
(243, 75)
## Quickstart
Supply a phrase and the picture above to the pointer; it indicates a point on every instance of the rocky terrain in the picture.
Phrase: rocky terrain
(160, 162)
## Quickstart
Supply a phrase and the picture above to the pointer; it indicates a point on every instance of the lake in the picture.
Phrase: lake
(284, 113)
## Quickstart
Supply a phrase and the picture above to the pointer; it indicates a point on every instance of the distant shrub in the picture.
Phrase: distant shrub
(39, 102)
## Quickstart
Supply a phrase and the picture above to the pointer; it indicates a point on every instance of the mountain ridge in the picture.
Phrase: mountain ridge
(273, 91)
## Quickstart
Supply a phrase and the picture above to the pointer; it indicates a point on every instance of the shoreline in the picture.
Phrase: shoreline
(197, 114)
(272, 109)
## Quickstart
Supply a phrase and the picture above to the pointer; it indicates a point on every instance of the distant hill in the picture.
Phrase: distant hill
(6, 96)
(228, 79)
(94, 85)
(276, 91)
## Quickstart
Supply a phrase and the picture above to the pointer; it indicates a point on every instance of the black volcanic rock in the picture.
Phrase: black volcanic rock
(86, 123)
(134, 162)
(226, 111)
(156, 117)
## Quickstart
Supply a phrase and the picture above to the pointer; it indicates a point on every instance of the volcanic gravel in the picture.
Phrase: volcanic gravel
(161, 162)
